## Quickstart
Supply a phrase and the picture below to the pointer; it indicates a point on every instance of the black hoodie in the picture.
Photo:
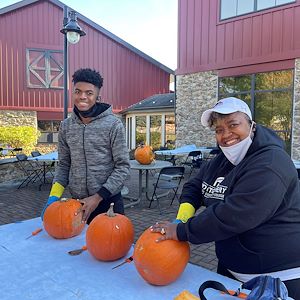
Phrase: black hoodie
(253, 209)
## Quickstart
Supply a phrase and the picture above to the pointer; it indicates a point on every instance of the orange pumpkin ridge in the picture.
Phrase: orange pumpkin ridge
(155, 262)
(144, 154)
(62, 219)
(109, 236)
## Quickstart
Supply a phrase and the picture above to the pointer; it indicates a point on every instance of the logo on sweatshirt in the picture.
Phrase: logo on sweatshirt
(215, 191)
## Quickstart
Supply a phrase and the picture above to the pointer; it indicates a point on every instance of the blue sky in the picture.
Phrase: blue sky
(149, 25)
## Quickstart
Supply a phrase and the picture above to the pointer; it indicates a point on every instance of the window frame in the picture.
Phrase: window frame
(255, 10)
(253, 92)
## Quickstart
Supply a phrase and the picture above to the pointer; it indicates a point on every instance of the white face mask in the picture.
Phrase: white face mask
(236, 153)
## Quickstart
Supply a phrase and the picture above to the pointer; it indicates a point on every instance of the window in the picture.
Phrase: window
(170, 135)
(233, 8)
(155, 131)
(269, 95)
(49, 131)
(44, 68)
(140, 130)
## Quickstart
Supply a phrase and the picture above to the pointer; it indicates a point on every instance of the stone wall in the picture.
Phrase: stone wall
(194, 94)
(18, 118)
(9, 170)
(296, 114)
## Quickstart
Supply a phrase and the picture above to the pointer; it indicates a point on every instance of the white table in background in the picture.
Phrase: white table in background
(46, 158)
(184, 150)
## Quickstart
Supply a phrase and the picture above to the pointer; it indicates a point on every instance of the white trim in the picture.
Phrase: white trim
(148, 124)
(284, 275)
(163, 129)
(133, 133)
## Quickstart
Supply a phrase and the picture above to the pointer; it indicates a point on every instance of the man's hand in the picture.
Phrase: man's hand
(167, 230)
(51, 199)
(89, 205)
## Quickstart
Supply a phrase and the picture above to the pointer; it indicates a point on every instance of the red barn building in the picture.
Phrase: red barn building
(248, 49)
(31, 65)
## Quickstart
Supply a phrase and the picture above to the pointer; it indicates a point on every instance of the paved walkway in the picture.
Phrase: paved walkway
(26, 203)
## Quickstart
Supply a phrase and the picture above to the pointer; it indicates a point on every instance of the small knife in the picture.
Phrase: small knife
(127, 260)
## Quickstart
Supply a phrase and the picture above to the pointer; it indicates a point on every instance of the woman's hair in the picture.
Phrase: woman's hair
(216, 116)
(88, 75)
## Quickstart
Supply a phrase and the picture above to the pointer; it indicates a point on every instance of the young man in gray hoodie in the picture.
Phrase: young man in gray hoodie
(92, 151)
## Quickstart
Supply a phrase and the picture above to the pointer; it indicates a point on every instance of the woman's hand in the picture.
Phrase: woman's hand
(167, 230)
(89, 205)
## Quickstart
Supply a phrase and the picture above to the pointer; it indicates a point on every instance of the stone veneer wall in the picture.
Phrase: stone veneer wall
(296, 115)
(18, 118)
(194, 94)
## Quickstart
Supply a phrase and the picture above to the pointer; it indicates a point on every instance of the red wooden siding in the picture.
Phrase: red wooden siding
(205, 43)
(128, 76)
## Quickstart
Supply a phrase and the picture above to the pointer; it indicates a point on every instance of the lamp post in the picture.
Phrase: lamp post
(72, 33)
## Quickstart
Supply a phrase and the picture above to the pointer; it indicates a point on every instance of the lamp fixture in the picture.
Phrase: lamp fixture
(72, 29)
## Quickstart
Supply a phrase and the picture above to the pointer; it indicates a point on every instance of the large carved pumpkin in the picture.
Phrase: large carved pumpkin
(160, 263)
(144, 154)
(62, 219)
(109, 236)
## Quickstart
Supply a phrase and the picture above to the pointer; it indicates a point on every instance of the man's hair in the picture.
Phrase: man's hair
(88, 75)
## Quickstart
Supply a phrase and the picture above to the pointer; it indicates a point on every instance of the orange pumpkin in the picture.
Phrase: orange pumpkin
(160, 263)
(144, 154)
(62, 219)
(109, 236)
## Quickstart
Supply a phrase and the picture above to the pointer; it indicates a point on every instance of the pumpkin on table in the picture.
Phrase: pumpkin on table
(109, 236)
(62, 219)
(144, 154)
(160, 263)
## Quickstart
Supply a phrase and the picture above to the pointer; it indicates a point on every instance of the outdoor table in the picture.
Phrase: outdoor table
(46, 158)
(41, 268)
(184, 150)
(297, 166)
(155, 165)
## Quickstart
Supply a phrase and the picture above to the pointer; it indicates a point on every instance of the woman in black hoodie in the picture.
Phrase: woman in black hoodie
(252, 198)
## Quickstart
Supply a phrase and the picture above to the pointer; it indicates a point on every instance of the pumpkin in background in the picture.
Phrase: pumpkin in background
(62, 219)
(109, 236)
(160, 263)
(144, 154)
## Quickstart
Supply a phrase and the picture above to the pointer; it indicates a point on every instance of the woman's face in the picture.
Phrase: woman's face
(231, 129)
(85, 95)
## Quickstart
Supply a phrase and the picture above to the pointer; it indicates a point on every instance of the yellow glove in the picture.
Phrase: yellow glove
(185, 211)
(56, 190)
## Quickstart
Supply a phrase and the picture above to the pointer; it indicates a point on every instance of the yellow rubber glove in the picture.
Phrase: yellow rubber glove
(185, 211)
(57, 190)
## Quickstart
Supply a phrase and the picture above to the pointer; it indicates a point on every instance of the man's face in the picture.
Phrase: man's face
(231, 129)
(84, 95)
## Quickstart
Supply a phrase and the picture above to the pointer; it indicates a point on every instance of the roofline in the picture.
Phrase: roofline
(92, 24)
(147, 109)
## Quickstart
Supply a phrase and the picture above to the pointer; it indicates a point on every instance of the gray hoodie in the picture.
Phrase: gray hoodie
(93, 157)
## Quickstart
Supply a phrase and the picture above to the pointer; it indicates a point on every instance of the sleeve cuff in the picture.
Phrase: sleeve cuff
(181, 234)
(104, 193)
(177, 221)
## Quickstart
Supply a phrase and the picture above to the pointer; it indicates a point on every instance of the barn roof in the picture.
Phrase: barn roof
(96, 26)
(155, 102)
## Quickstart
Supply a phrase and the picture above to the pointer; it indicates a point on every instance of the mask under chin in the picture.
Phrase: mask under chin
(87, 113)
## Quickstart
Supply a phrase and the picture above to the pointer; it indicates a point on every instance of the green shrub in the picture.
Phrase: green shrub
(24, 137)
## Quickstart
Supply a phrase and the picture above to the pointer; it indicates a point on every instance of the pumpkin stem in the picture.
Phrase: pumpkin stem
(64, 199)
(110, 211)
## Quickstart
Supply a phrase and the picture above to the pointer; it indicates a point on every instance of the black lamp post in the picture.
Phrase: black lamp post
(72, 33)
